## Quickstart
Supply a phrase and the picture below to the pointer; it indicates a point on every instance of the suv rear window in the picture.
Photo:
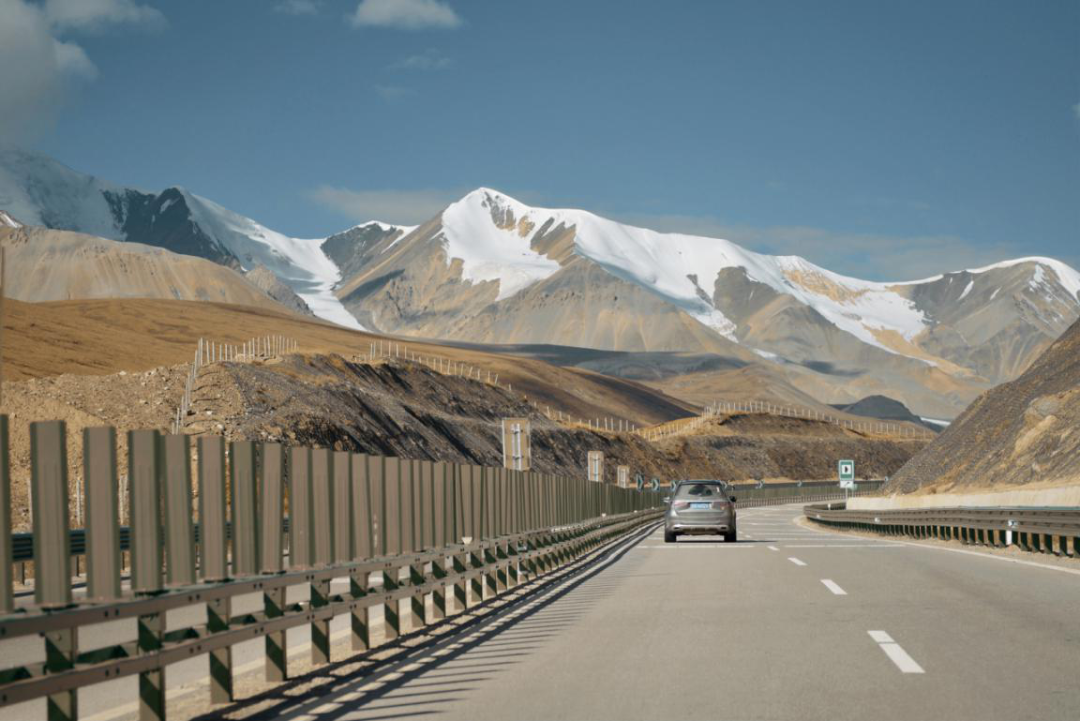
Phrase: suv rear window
(700, 490)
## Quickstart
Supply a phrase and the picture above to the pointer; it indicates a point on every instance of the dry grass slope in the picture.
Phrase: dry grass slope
(107, 336)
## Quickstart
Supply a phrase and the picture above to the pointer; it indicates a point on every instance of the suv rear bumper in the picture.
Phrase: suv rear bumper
(711, 527)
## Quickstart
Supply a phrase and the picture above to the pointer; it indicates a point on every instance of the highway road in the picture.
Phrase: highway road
(789, 623)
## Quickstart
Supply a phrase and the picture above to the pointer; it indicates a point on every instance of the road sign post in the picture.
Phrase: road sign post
(596, 466)
(846, 471)
(517, 450)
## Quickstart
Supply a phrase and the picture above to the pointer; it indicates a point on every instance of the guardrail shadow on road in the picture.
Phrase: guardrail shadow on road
(522, 615)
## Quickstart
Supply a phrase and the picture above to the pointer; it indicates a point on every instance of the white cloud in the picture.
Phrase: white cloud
(95, 15)
(71, 58)
(405, 14)
(428, 60)
(1076, 110)
(297, 7)
(406, 207)
(37, 66)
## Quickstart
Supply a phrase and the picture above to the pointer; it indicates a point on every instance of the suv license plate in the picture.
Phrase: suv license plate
(700, 506)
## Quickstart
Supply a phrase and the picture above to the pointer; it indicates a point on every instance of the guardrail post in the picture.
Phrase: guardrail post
(179, 534)
(244, 508)
(213, 553)
(442, 512)
(360, 582)
(322, 490)
(102, 517)
(418, 606)
(502, 561)
(300, 520)
(52, 551)
(342, 509)
(271, 515)
(145, 471)
(419, 503)
(512, 563)
(212, 509)
(491, 570)
(476, 582)
(461, 587)
(52, 585)
(392, 509)
(7, 599)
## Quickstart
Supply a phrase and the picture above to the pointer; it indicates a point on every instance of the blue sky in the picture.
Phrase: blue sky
(882, 139)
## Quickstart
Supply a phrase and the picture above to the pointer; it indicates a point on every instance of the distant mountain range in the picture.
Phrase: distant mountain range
(490, 269)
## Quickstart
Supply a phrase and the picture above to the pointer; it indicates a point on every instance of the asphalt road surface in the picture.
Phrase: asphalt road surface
(789, 623)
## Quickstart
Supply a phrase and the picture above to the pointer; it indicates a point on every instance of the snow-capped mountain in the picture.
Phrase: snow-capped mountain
(492, 269)
(41, 191)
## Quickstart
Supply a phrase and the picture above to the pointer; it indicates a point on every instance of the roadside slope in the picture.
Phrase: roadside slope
(49, 265)
(1022, 433)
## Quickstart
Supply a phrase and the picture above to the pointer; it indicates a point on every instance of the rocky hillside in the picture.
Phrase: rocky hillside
(1023, 433)
(264, 279)
(409, 411)
(45, 265)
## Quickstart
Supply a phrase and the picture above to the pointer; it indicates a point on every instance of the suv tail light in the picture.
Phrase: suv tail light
(680, 504)
(721, 505)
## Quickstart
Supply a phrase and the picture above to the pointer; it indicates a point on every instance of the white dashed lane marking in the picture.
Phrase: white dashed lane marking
(832, 586)
(896, 653)
(796, 561)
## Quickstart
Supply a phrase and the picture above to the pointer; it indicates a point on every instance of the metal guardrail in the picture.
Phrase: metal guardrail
(1039, 530)
(427, 529)
(22, 544)
(794, 492)
(457, 577)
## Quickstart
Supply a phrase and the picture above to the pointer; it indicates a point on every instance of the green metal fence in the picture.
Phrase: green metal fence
(239, 518)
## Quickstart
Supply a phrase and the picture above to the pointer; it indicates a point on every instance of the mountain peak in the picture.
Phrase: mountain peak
(6, 221)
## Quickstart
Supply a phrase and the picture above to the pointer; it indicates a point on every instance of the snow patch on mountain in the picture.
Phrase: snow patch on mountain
(681, 268)
(404, 230)
(299, 262)
(1067, 276)
(489, 252)
(41, 191)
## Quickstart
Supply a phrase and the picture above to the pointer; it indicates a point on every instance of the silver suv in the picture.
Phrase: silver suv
(700, 507)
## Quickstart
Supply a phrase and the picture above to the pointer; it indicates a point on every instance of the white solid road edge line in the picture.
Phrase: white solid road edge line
(796, 561)
(901, 658)
(832, 586)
